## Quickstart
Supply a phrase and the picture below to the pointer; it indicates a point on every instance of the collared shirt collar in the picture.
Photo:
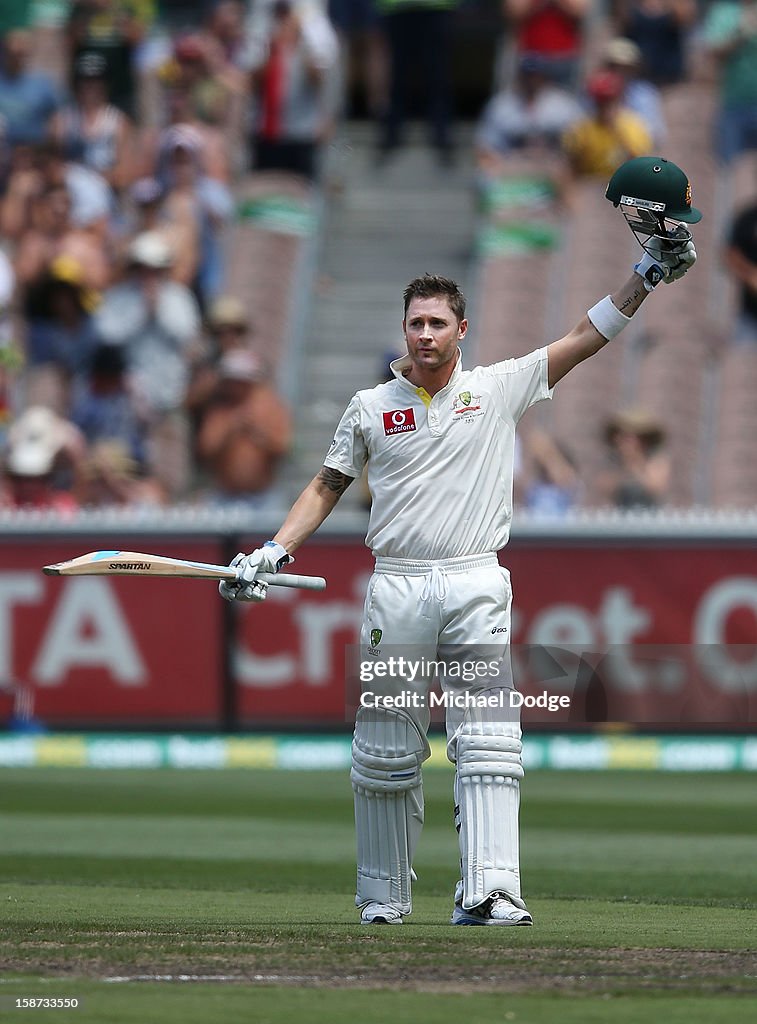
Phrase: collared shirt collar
(399, 366)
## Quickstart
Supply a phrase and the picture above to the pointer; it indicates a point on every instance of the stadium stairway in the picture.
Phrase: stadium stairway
(383, 224)
(267, 261)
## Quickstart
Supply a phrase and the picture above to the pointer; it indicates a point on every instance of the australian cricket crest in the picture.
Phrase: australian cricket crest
(466, 407)
(376, 635)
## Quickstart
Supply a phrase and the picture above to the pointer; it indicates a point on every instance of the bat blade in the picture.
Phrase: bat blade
(138, 563)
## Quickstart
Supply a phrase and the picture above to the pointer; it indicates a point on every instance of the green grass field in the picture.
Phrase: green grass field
(643, 888)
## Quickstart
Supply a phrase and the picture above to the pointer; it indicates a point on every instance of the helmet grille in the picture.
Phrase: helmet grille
(646, 224)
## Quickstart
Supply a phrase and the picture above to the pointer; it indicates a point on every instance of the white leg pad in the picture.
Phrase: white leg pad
(487, 798)
(387, 753)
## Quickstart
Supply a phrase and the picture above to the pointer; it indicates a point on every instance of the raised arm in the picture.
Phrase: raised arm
(586, 338)
(665, 259)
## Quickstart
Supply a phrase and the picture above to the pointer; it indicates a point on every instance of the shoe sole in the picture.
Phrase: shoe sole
(381, 920)
(488, 922)
(496, 924)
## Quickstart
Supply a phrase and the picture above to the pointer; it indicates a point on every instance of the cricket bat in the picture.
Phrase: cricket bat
(137, 563)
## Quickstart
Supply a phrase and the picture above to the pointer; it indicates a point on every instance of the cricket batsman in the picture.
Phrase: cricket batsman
(437, 440)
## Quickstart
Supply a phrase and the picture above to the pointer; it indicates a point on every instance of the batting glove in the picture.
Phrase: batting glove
(268, 559)
(666, 259)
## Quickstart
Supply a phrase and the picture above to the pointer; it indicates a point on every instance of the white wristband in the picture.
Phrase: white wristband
(607, 318)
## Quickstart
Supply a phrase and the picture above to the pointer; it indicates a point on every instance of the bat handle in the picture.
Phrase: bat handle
(290, 579)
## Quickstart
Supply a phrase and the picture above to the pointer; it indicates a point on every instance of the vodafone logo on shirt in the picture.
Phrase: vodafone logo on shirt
(399, 421)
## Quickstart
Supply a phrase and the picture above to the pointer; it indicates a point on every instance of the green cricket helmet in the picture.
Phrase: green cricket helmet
(655, 197)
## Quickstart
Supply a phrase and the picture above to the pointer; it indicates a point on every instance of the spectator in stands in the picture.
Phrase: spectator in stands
(529, 118)
(730, 31)
(623, 57)
(420, 40)
(596, 145)
(224, 40)
(224, 28)
(43, 462)
(111, 477)
(91, 198)
(93, 131)
(103, 408)
(181, 111)
(114, 29)
(192, 196)
(177, 225)
(28, 99)
(156, 320)
(741, 261)
(9, 355)
(639, 469)
(60, 336)
(228, 328)
(21, 185)
(553, 29)
(660, 29)
(244, 432)
(53, 234)
(290, 69)
(363, 50)
(198, 70)
(551, 482)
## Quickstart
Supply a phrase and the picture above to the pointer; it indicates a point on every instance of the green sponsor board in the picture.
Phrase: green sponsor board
(557, 753)
(517, 238)
(278, 213)
(517, 193)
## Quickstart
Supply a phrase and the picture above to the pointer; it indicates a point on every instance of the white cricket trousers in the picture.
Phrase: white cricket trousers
(456, 611)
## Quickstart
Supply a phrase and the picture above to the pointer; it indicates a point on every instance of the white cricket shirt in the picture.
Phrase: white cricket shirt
(440, 470)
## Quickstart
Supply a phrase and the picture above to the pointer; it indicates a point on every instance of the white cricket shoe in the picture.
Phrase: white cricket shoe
(497, 909)
(380, 913)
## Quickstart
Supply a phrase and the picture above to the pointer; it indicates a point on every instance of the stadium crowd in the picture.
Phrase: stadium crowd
(128, 373)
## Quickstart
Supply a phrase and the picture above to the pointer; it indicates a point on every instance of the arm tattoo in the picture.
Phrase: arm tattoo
(631, 300)
(334, 480)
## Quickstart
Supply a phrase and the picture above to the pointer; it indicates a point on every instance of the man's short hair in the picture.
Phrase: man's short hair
(430, 286)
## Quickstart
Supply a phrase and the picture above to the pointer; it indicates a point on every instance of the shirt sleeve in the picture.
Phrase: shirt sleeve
(523, 382)
(348, 452)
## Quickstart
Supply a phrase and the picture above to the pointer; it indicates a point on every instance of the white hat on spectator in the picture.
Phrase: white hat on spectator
(181, 136)
(621, 51)
(240, 364)
(227, 311)
(150, 249)
(34, 440)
